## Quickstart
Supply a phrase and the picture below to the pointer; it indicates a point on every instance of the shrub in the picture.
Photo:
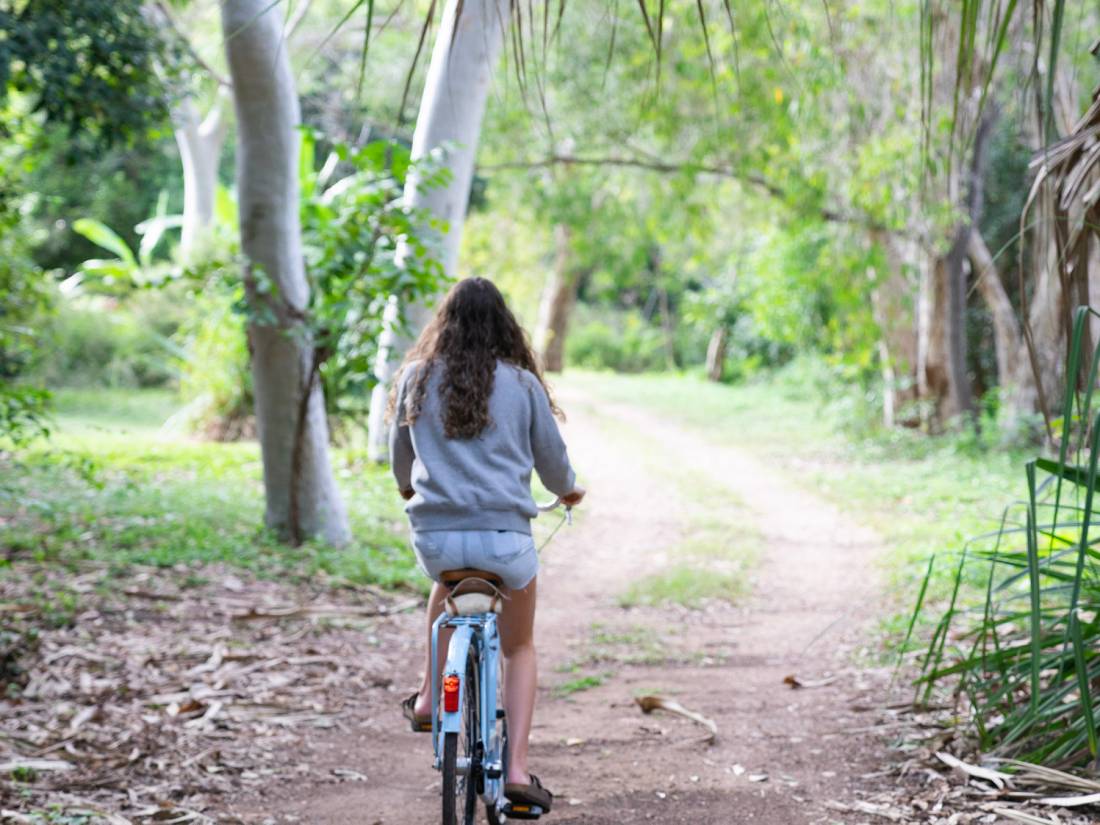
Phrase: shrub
(619, 341)
(215, 377)
(112, 342)
(1025, 663)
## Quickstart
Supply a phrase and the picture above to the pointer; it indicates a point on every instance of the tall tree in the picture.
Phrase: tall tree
(200, 139)
(301, 494)
(448, 125)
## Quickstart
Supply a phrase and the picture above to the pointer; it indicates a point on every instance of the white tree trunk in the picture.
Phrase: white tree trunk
(451, 110)
(302, 498)
(200, 143)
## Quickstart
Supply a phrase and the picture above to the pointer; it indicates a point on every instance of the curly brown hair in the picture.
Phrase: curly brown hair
(471, 330)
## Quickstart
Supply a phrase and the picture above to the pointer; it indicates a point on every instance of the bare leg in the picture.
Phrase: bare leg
(423, 706)
(517, 626)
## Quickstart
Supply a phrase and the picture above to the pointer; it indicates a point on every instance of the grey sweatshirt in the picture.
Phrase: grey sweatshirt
(482, 483)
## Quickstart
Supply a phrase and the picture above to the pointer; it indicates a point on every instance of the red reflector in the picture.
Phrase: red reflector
(450, 693)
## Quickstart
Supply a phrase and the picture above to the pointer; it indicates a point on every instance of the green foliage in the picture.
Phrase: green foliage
(351, 229)
(1026, 657)
(111, 342)
(621, 341)
(130, 181)
(215, 380)
(24, 299)
(92, 66)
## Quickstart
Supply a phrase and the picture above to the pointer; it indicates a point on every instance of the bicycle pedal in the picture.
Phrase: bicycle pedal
(519, 811)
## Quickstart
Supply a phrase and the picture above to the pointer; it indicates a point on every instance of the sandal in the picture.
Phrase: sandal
(419, 724)
(533, 793)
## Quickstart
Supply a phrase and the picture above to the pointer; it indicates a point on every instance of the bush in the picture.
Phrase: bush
(1023, 664)
(95, 341)
(619, 341)
(215, 378)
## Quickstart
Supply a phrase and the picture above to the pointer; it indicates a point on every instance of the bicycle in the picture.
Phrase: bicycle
(469, 728)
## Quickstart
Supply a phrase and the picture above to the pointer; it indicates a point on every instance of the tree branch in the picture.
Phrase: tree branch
(759, 181)
(221, 80)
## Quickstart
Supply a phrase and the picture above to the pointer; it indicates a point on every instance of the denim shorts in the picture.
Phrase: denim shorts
(510, 555)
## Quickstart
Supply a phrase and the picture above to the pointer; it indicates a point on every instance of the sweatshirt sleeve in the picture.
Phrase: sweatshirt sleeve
(401, 448)
(547, 446)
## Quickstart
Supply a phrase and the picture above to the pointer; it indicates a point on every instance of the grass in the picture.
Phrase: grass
(580, 684)
(112, 486)
(683, 584)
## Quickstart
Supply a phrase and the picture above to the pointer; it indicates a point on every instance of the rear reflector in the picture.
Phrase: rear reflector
(450, 693)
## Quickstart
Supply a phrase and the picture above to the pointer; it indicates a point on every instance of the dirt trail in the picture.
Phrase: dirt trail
(813, 589)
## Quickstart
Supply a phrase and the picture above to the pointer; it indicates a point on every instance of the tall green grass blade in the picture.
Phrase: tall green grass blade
(947, 619)
(1033, 576)
(920, 604)
(1086, 521)
(1083, 681)
(1080, 318)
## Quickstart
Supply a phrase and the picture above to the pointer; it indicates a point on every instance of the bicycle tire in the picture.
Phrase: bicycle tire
(453, 790)
(450, 777)
(490, 807)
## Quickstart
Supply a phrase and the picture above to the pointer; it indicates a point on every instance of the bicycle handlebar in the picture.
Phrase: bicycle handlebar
(555, 504)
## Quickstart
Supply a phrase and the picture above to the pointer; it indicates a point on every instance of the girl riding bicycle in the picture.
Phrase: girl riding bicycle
(470, 418)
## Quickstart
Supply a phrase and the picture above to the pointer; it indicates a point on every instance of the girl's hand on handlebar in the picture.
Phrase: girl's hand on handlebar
(407, 494)
(574, 498)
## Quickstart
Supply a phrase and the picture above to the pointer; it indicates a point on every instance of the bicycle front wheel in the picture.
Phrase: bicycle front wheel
(462, 755)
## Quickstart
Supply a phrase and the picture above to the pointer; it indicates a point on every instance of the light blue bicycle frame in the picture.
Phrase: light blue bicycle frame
(479, 630)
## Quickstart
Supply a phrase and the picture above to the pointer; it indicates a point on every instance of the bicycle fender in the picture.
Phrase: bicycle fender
(457, 653)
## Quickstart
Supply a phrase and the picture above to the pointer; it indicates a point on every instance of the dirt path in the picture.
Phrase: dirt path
(813, 589)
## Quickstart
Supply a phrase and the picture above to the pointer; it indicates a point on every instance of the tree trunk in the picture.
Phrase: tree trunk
(1006, 329)
(716, 353)
(451, 110)
(200, 144)
(558, 299)
(891, 305)
(961, 394)
(941, 368)
(302, 498)
(667, 328)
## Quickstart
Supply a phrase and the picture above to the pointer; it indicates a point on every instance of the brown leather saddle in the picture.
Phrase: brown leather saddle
(472, 592)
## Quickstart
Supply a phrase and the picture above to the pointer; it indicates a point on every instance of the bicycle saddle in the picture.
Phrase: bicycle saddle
(472, 592)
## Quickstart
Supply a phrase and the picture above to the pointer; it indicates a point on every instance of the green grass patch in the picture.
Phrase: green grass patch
(580, 684)
(687, 585)
(112, 486)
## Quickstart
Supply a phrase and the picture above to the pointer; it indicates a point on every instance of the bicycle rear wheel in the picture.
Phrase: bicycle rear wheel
(490, 807)
(461, 754)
